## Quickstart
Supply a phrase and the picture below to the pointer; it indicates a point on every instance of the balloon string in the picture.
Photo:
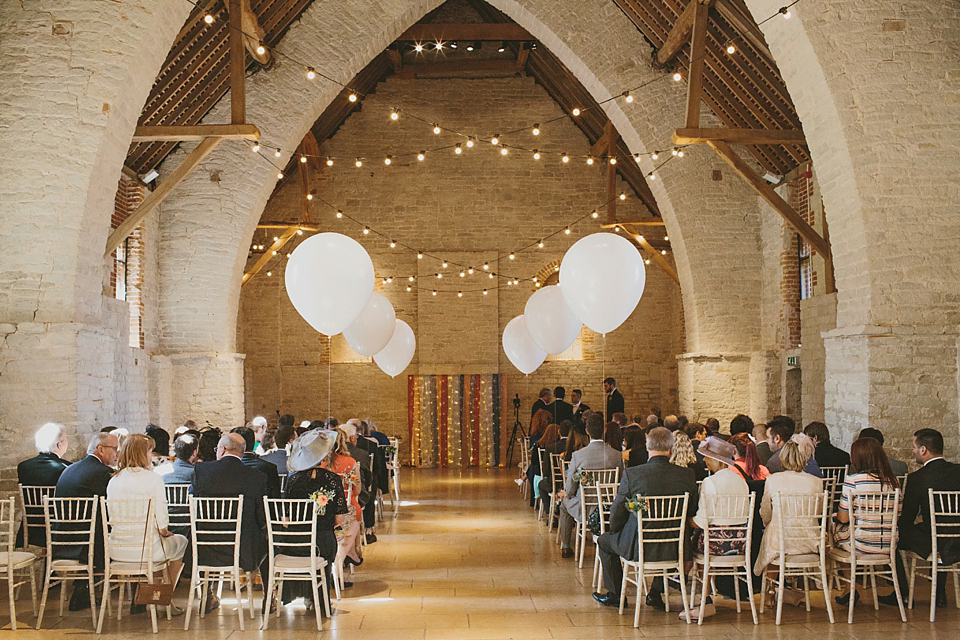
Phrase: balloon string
(329, 372)
(603, 373)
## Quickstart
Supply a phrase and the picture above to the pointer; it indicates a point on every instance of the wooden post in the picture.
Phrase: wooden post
(698, 40)
(238, 64)
(657, 257)
(163, 189)
(829, 281)
(268, 254)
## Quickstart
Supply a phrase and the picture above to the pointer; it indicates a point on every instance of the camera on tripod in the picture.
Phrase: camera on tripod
(516, 401)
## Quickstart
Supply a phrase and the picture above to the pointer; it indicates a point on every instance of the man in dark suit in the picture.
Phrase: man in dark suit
(657, 477)
(360, 449)
(614, 397)
(578, 407)
(825, 454)
(43, 470)
(899, 467)
(543, 399)
(937, 474)
(252, 460)
(559, 408)
(229, 477)
(88, 478)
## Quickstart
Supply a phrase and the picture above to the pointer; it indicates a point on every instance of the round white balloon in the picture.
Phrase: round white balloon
(550, 320)
(520, 348)
(373, 328)
(329, 280)
(602, 278)
(398, 353)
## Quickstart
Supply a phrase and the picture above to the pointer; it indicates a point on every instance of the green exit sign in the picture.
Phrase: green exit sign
(793, 361)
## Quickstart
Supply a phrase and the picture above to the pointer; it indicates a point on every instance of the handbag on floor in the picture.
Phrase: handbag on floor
(593, 521)
(156, 593)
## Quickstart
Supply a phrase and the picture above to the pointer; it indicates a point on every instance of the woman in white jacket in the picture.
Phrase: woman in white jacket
(135, 480)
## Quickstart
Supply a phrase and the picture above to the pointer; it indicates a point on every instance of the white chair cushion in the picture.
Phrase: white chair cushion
(862, 558)
(17, 558)
(802, 559)
(282, 561)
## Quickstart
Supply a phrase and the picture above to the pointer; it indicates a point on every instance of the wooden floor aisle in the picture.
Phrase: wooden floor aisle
(466, 558)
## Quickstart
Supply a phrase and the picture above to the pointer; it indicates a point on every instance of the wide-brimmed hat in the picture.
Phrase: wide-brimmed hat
(718, 449)
(348, 428)
(310, 449)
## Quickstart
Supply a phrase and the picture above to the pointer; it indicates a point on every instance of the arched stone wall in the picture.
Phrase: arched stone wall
(706, 220)
(875, 87)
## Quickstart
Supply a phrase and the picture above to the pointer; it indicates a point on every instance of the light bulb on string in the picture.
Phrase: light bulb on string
(636, 158)
(652, 176)
(484, 292)
(434, 292)
(646, 261)
(208, 19)
(421, 156)
(575, 112)
(540, 244)
(623, 196)
(459, 294)
(394, 114)
(627, 97)
(255, 148)
(419, 255)
(536, 130)
(616, 229)
(463, 274)
(303, 159)
(388, 160)
(437, 129)
(393, 245)
(409, 289)
(439, 276)
(276, 153)
(366, 231)
(329, 162)
(470, 143)
(590, 160)
(495, 140)
(666, 238)
(565, 158)
(503, 150)
(358, 163)
(536, 154)
(309, 196)
(654, 155)
(594, 215)
(458, 149)
(299, 233)
(352, 97)
(785, 12)
(613, 161)
(486, 266)
(411, 278)
(339, 214)
(680, 153)
(677, 77)
(470, 271)
(418, 48)
(261, 50)
(567, 231)
(311, 74)
(663, 252)
(269, 273)
(731, 49)
(280, 175)
(675, 151)
(490, 276)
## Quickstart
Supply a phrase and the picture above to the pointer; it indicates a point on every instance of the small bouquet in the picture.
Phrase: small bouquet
(636, 505)
(389, 451)
(321, 499)
(585, 478)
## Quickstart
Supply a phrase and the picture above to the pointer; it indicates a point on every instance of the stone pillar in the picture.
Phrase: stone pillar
(714, 385)
(207, 386)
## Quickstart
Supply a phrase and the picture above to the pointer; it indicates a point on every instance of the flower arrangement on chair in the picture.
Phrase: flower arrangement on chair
(321, 499)
(584, 477)
(637, 505)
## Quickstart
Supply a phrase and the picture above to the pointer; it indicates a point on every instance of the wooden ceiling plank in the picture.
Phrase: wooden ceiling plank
(679, 35)
(698, 40)
(738, 136)
(197, 132)
(269, 253)
(238, 65)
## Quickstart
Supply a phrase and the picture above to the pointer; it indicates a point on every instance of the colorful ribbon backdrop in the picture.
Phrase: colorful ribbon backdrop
(454, 421)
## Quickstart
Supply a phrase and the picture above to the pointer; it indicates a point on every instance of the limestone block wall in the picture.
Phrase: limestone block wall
(469, 210)
(817, 315)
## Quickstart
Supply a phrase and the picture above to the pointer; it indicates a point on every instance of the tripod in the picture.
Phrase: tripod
(513, 436)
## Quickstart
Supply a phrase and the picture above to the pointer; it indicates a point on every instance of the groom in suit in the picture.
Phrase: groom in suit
(614, 398)
(656, 477)
(596, 455)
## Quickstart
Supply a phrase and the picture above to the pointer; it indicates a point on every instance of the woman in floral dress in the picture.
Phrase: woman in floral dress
(340, 462)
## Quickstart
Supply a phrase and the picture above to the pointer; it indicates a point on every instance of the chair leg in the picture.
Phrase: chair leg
(238, 589)
(265, 614)
(194, 580)
(623, 589)
(852, 594)
(826, 590)
(91, 585)
(913, 577)
(326, 593)
(666, 592)
(933, 590)
(763, 591)
(316, 601)
(249, 581)
(703, 591)
(104, 605)
(749, 578)
(683, 592)
(896, 590)
(43, 597)
(63, 594)
(736, 589)
(13, 597)
(806, 591)
(781, 584)
(33, 588)
(153, 617)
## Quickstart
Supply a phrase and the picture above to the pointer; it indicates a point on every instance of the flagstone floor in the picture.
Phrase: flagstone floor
(464, 557)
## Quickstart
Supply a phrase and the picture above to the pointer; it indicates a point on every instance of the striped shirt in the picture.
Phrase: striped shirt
(871, 528)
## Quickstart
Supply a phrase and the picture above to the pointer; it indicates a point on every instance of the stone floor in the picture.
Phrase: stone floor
(465, 558)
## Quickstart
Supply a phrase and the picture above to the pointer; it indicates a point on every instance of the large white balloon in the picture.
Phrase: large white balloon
(550, 320)
(520, 348)
(329, 280)
(398, 353)
(602, 278)
(373, 328)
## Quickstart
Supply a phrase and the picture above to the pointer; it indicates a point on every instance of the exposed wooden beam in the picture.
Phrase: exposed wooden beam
(269, 253)
(655, 255)
(253, 33)
(287, 225)
(698, 49)
(680, 33)
(602, 145)
(647, 222)
(396, 60)
(767, 192)
(465, 32)
(450, 68)
(157, 196)
(739, 136)
(197, 132)
(746, 26)
(238, 64)
(522, 57)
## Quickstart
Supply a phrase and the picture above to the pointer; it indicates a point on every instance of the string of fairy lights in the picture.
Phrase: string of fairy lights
(465, 141)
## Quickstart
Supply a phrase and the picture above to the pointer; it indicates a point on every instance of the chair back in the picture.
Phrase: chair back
(31, 497)
(839, 475)
(178, 501)
(728, 517)
(215, 523)
(70, 523)
(544, 460)
(830, 487)
(291, 525)
(557, 469)
(662, 528)
(128, 526)
(945, 525)
(283, 482)
(606, 493)
(392, 454)
(593, 476)
(801, 521)
(903, 484)
(7, 517)
(873, 522)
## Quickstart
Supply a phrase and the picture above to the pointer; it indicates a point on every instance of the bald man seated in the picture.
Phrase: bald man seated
(228, 477)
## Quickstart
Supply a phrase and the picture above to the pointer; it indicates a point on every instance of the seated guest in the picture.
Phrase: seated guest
(719, 458)
(577, 440)
(207, 444)
(682, 422)
(899, 467)
(652, 421)
(308, 479)
(696, 432)
(613, 436)
(135, 481)
(914, 522)
(381, 438)
(655, 478)
(671, 422)
(278, 456)
(791, 480)
(161, 444)
(43, 470)
(559, 446)
(781, 430)
(620, 418)
(340, 462)
(740, 424)
(869, 473)
(636, 420)
(536, 474)
(713, 428)
(373, 472)
(329, 423)
(538, 424)
(88, 478)
(807, 449)
(684, 455)
(635, 446)
(180, 471)
(259, 427)
(760, 440)
(826, 454)
(229, 477)
(252, 460)
(746, 461)
(596, 455)
(266, 440)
